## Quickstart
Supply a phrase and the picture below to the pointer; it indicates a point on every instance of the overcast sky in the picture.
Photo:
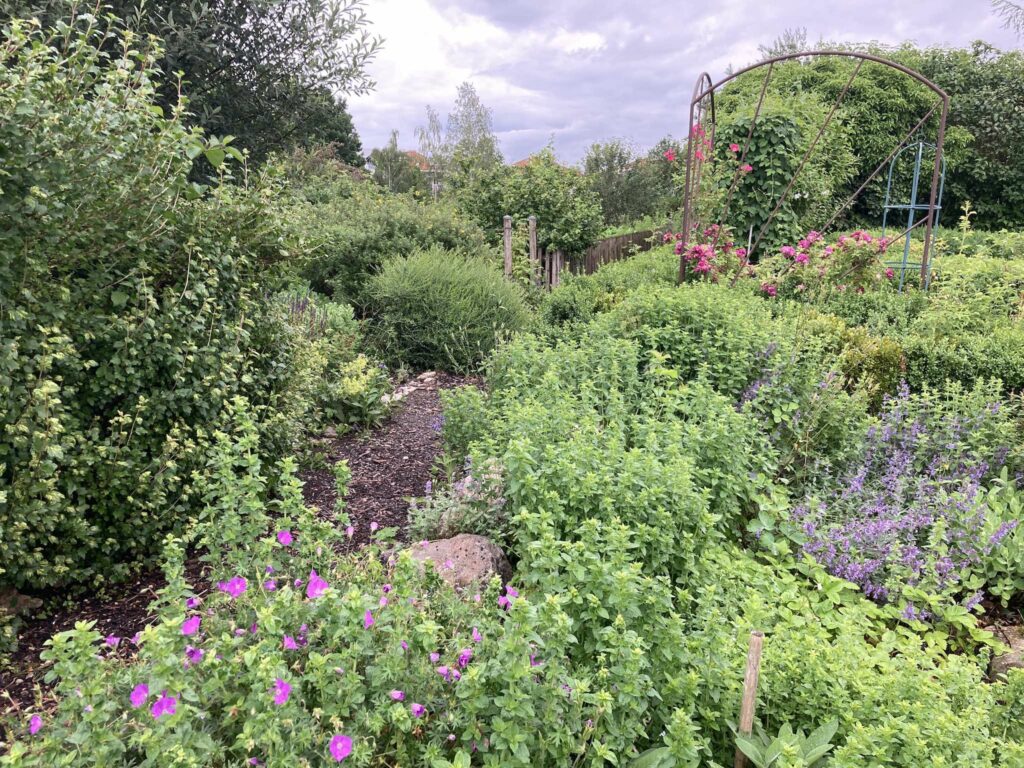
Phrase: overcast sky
(577, 72)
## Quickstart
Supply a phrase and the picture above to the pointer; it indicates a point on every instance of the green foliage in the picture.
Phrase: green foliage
(789, 748)
(442, 309)
(125, 327)
(234, 86)
(630, 186)
(346, 229)
(567, 208)
(395, 170)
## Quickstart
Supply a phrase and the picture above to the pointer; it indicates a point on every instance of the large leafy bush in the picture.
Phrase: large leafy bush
(129, 313)
(443, 309)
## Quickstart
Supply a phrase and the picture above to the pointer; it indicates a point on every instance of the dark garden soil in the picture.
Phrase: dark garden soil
(388, 465)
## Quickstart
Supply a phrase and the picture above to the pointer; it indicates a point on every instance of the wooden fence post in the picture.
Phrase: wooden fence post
(556, 272)
(508, 246)
(749, 692)
(534, 277)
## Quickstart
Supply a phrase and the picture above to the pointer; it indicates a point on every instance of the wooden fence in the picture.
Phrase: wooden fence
(609, 250)
(546, 268)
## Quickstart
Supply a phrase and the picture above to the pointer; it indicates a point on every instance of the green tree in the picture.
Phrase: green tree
(261, 70)
(614, 170)
(394, 170)
(435, 148)
(567, 208)
(470, 138)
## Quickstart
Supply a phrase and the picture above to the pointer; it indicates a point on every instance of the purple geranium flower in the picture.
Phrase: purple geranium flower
(282, 691)
(397, 695)
(316, 586)
(418, 710)
(290, 644)
(139, 695)
(165, 705)
(34, 724)
(191, 625)
(234, 586)
(285, 537)
(368, 620)
(341, 747)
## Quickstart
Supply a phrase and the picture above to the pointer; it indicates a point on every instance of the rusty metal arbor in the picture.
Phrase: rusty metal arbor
(701, 139)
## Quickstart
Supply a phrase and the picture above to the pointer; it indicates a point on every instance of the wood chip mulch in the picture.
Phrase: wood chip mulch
(388, 466)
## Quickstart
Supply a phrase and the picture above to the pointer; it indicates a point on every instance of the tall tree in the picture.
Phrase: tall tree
(614, 171)
(394, 170)
(790, 41)
(471, 136)
(1012, 14)
(435, 148)
(261, 70)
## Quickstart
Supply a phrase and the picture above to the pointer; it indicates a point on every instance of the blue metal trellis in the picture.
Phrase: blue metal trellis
(912, 208)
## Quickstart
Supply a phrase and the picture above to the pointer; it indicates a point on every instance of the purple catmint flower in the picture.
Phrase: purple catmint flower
(165, 705)
(316, 587)
(281, 690)
(191, 625)
(340, 747)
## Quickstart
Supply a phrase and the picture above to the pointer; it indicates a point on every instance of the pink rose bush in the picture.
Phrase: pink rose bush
(853, 262)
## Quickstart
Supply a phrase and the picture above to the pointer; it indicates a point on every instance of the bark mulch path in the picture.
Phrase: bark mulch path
(388, 465)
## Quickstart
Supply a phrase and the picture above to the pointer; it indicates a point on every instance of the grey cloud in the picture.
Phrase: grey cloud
(637, 86)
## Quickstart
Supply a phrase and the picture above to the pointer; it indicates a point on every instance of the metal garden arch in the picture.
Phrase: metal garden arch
(702, 112)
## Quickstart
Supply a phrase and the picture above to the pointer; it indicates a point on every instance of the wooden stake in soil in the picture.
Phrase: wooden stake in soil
(749, 692)
(508, 246)
(534, 277)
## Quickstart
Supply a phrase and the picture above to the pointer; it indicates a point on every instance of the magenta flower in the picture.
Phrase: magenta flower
(465, 656)
(135, 638)
(890, 273)
(34, 724)
(192, 602)
(386, 588)
(165, 705)
(435, 657)
(405, 645)
(281, 691)
(316, 586)
(746, 167)
(285, 537)
(511, 591)
(504, 602)
(234, 587)
(734, 147)
(139, 695)
(373, 527)
(670, 155)
(443, 671)
(191, 626)
(477, 637)
(368, 620)
(383, 601)
(112, 640)
(397, 695)
(341, 747)
(270, 585)
(290, 644)
(418, 710)
(349, 531)
(193, 655)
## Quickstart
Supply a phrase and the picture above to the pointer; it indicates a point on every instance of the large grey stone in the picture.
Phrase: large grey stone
(465, 559)
(1014, 659)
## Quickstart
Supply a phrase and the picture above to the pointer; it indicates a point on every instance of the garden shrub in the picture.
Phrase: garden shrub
(347, 229)
(443, 309)
(124, 328)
